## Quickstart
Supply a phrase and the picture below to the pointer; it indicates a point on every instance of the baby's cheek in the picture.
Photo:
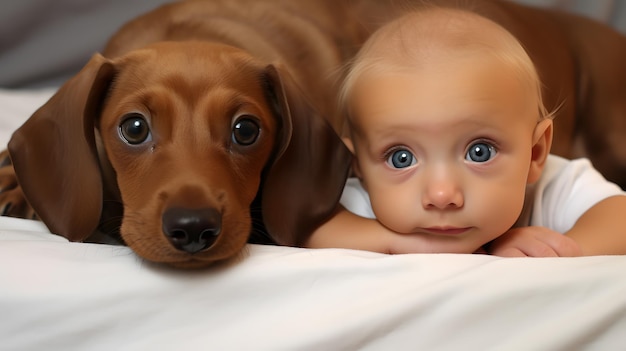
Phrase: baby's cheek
(499, 214)
(395, 213)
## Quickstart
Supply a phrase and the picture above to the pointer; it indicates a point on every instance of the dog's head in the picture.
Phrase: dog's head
(191, 138)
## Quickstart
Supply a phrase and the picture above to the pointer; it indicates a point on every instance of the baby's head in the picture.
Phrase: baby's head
(448, 126)
(422, 37)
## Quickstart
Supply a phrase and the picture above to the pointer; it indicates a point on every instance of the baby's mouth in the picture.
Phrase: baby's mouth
(447, 230)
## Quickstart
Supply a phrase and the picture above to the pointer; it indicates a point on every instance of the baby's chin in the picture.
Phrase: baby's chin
(450, 240)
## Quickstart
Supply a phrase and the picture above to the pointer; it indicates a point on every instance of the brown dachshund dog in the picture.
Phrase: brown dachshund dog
(192, 137)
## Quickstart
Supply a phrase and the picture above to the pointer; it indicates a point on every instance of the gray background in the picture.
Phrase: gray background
(43, 42)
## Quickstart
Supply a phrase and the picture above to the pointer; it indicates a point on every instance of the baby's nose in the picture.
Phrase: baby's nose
(442, 194)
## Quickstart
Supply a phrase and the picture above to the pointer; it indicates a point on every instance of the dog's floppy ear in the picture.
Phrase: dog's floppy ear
(55, 157)
(304, 182)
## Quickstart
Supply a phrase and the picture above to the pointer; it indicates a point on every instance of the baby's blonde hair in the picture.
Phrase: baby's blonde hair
(413, 39)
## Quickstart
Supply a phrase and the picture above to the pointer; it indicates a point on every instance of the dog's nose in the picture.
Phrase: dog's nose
(191, 230)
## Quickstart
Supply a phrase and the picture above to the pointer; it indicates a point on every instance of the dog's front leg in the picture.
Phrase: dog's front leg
(13, 203)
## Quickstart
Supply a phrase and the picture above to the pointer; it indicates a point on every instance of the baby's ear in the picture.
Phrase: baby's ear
(356, 172)
(542, 141)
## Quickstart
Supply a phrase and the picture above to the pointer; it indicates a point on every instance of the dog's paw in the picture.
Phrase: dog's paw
(5, 159)
(12, 200)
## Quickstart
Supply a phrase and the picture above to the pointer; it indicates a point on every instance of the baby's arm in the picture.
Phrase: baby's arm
(567, 187)
(350, 231)
(534, 241)
(601, 230)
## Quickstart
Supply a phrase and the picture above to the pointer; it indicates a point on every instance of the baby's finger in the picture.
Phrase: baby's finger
(540, 249)
(563, 246)
(508, 252)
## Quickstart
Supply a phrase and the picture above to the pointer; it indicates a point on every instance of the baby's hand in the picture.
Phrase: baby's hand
(534, 242)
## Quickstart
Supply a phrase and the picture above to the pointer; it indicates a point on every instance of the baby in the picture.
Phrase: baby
(451, 142)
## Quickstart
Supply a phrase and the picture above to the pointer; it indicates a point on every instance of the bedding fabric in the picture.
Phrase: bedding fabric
(57, 295)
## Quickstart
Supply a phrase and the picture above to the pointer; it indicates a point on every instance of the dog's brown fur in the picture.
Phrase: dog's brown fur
(191, 69)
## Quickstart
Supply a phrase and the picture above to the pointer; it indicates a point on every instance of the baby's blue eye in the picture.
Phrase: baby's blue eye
(480, 152)
(401, 159)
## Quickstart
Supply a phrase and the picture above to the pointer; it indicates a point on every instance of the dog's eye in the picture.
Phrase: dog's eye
(245, 131)
(134, 129)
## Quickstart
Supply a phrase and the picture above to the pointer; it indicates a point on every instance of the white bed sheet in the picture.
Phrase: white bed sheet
(57, 295)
